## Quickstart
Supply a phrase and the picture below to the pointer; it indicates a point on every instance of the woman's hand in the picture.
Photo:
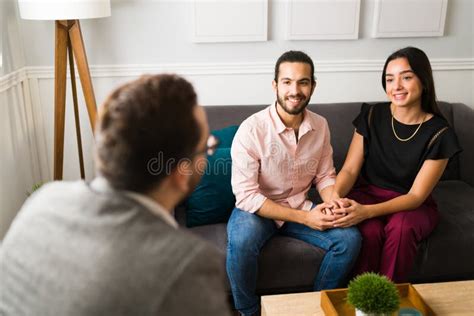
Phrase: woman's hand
(332, 202)
(319, 219)
(349, 213)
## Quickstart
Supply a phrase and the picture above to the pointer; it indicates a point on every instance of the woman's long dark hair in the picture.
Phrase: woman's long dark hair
(421, 66)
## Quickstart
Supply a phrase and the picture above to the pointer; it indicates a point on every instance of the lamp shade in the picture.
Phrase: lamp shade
(63, 9)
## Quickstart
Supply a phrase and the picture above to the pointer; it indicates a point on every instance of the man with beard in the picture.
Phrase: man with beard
(112, 246)
(277, 154)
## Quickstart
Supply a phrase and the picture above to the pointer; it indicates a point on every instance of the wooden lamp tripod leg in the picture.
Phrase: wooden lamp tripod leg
(76, 109)
(60, 58)
(83, 69)
(69, 37)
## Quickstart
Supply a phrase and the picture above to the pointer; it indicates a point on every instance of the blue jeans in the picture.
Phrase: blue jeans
(247, 233)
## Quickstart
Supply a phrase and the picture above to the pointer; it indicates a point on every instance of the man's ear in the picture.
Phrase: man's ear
(274, 85)
(315, 83)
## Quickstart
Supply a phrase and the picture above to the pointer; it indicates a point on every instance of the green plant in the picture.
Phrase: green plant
(373, 293)
(35, 187)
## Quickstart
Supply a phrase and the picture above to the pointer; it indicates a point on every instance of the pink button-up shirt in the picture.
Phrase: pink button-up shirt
(269, 163)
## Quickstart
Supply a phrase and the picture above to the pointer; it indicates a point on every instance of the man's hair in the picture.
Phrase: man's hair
(294, 56)
(147, 120)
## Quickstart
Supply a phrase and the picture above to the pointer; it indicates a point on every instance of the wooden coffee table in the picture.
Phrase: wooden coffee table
(449, 298)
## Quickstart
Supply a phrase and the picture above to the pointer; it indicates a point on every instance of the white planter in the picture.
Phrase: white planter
(361, 313)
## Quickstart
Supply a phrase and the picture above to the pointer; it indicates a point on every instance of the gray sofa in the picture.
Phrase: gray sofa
(289, 265)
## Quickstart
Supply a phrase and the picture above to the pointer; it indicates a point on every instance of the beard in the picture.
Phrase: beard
(193, 181)
(199, 167)
(196, 170)
(293, 110)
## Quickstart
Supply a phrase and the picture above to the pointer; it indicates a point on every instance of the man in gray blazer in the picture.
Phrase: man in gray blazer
(112, 246)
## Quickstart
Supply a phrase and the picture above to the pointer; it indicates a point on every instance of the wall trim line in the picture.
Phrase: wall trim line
(219, 69)
(211, 69)
(13, 79)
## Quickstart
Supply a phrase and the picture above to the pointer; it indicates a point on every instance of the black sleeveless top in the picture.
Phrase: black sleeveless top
(392, 164)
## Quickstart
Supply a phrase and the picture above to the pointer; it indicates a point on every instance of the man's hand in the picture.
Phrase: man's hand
(350, 213)
(318, 218)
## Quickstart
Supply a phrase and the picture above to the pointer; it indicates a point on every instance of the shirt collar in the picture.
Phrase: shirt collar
(306, 124)
(102, 185)
(279, 125)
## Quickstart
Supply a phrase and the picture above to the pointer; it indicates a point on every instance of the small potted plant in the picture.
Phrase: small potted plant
(35, 187)
(373, 295)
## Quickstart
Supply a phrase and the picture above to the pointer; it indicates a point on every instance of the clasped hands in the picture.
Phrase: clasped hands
(340, 212)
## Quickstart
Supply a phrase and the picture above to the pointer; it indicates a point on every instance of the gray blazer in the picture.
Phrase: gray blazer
(75, 251)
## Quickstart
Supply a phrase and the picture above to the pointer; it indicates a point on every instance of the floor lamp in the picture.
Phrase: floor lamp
(68, 45)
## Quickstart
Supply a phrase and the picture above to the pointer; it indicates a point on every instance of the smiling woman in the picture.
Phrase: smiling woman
(398, 153)
(401, 84)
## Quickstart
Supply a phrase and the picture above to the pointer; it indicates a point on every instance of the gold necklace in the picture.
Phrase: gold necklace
(407, 139)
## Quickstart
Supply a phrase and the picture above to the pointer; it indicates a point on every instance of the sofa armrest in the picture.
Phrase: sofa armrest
(463, 121)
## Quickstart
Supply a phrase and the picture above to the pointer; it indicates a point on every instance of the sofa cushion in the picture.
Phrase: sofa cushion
(448, 252)
(285, 264)
(226, 135)
(452, 169)
(213, 200)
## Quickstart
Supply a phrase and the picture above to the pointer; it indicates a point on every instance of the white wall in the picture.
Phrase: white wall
(20, 128)
(148, 36)
(151, 35)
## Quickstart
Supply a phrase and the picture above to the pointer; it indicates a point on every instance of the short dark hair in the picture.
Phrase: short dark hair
(149, 118)
(421, 66)
(294, 56)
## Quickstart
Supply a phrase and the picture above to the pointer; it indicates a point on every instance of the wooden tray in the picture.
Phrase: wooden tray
(333, 302)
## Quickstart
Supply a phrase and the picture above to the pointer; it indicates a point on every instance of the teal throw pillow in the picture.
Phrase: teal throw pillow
(226, 135)
(212, 201)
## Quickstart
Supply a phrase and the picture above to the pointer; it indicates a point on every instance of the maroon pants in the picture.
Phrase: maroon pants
(390, 242)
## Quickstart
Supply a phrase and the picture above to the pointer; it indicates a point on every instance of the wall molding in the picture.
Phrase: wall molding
(216, 69)
(211, 21)
(13, 79)
(24, 102)
(322, 20)
(209, 69)
(421, 19)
